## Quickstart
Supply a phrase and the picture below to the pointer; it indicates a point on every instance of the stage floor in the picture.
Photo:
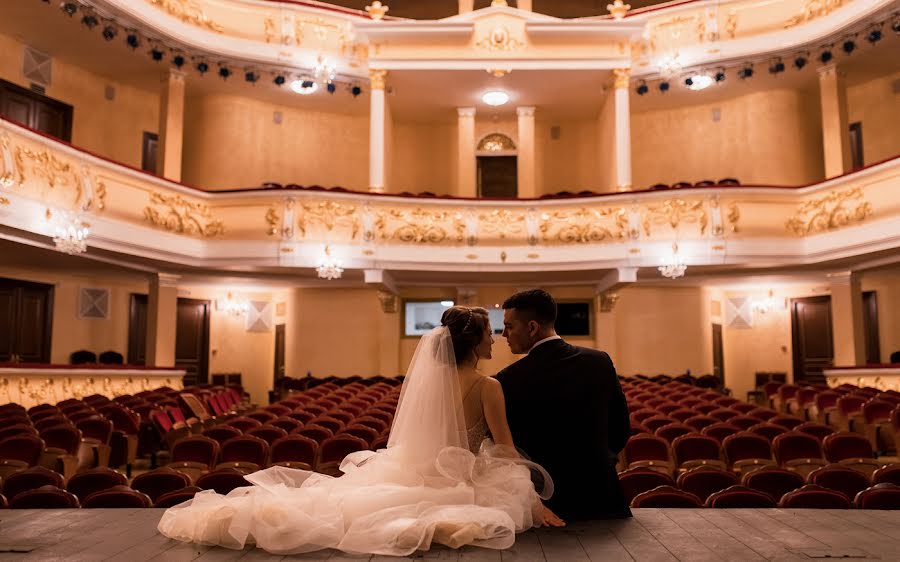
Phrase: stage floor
(653, 534)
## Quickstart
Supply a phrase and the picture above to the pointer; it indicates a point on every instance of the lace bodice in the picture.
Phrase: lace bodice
(476, 434)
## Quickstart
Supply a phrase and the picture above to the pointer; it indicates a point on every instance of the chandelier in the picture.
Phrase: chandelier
(235, 307)
(70, 233)
(329, 268)
(675, 267)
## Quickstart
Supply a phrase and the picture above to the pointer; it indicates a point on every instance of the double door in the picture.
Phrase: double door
(26, 320)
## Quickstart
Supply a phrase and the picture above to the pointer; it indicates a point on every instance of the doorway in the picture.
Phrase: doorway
(26, 321)
(812, 342)
(870, 328)
(278, 373)
(498, 176)
(191, 337)
(36, 111)
(718, 354)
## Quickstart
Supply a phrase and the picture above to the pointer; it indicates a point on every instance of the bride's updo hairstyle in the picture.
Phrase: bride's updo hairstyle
(467, 325)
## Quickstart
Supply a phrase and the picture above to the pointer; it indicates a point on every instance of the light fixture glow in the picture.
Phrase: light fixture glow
(304, 87)
(673, 267)
(70, 232)
(495, 97)
(700, 82)
(446, 304)
(329, 268)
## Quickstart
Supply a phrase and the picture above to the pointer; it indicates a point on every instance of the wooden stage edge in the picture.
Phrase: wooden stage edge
(653, 534)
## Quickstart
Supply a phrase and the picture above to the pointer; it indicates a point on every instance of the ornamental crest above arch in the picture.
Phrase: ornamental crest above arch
(496, 142)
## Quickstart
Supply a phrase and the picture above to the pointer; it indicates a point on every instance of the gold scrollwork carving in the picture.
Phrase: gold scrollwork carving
(813, 9)
(671, 31)
(329, 214)
(733, 216)
(421, 226)
(188, 11)
(499, 40)
(829, 212)
(272, 219)
(584, 225)
(502, 222)
(46, 165)
(674, 212)
(182, 216)
(12, 171)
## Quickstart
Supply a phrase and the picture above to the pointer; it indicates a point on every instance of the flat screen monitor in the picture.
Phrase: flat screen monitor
(573, 318)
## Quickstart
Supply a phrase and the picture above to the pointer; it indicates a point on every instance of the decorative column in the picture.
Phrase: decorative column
(623, 129)
(525, 158)
(377, 136)
(605, 322)
(466, 6)
(835, 128)
(465, 149)
(171, 126)
(162, 318)
(847, 326)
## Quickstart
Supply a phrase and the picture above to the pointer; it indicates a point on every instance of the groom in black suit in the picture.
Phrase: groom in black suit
(566, 410)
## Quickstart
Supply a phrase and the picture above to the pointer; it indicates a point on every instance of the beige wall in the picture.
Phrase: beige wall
(233, 142)
(771, 137)
(605, 152)
(113, 129)
(424, 158)
(570, 162)
(877, 107)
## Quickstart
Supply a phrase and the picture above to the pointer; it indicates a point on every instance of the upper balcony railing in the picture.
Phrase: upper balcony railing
(50, 189)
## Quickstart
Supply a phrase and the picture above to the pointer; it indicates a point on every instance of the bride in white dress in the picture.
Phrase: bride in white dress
(440, 479)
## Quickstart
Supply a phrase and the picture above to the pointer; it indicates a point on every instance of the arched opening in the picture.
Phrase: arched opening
(497, 165)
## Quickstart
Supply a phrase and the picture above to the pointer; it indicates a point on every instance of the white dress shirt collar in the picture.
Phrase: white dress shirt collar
(543, 341)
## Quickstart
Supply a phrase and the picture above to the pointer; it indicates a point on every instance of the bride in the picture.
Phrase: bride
(440, 479)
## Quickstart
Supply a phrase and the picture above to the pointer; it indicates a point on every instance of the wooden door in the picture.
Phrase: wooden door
(137, 330)
(192, 340)
(279, 355)
(498, 176)
(36, 111)
(870, 328)
(718, 353)
(26, 321)
(812, 338)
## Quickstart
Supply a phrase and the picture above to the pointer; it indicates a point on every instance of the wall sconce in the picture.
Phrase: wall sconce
(233, 305)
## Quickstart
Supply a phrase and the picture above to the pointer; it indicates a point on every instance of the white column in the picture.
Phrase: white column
(847, 324)
(465, 166)
(171, 126)
(835, 126)
(466, 6)
(377, 130)
(162, 319)
(525, 160)
(623, 129)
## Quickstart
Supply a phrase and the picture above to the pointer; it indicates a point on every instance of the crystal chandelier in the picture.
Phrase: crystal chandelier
(329, 268)
(70, 234)
(675, 267)
(234, 306)
(324, 71)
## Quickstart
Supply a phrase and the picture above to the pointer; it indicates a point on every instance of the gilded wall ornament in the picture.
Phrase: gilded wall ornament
(328, 214)
(188, 11)
(376, 10)
(733, 216)
(677, 31)
(621, 77)
(11, 172)
(584, 225)
(421, 226)
(496, 142)
(176, 214)
(502, 222)
(272, 220)
(813, 9)
(46, 165)
(376, 78)
(499, 40)
(833, 211)
(675, 212)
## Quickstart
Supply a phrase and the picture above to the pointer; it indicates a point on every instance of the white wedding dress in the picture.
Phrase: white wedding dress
(436, 482)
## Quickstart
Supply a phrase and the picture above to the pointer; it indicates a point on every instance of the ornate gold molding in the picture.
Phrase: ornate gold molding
(618, 9)
(499, 40)
(188, 11)
(674, 212)
(813, 9)
(12, 171)
(376, 10)
(829, 212)
(502, 222)
(584, 225)
(377, 77)
(420, 226)
(181, 216)
(388, 302)
(733, 216)
(329, 214)
(622, 77)
(44, 164)
(272, 219)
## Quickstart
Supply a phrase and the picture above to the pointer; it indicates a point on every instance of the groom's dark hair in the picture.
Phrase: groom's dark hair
(539, 305)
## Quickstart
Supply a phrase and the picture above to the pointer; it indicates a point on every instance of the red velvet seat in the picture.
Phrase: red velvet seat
(768, 430)
(243, 424)
(773, 481)
(739, 497)
(636, 481)
(340, 415)
(294, 451)
(695, 449)
(16, 429)
(222, 480)
(698, 422)
(719, 431)
(814, 497)
(879, 496)
(194, 455)
(375, 423)
(160, 481)
(287, 423)
(117, 497)
(83, 484)
(840, 479)
(747, 451)
(364, 432)
(818, 430)
(314, 432)
(655, 422)
(176, 497)
(798, 451)
(278, 410)
(743, 407)
(51, 421)
(724, 414)
(45, 497)
(887, 474)
(852, 450)
(763, 413)
(268, 433)
(333, 450)
(334, 424)
(670, 431)
(706, 408)
(246, 453)
(262, 416)
(647, 450)
(19, 452)
(222, 433)
(644, 413)
(666, 497)
(703, 481)
(30, 479)
(301, 415)
(788, 422)
(744, 422)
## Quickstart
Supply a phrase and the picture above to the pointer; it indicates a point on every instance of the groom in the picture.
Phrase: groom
(566, 410)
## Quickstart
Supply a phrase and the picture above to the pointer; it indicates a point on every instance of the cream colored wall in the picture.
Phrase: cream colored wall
(771, 137)
(877, 107)
(605, 152)
(424, 158)
(113, 129)
(886, 285)
(570, 162)
(233, 142)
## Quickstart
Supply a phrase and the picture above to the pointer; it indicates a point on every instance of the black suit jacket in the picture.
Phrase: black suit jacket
(566, 410)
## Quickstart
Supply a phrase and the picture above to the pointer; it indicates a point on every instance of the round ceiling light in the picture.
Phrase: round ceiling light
(495, 97)
(699, 82)
(304, 87)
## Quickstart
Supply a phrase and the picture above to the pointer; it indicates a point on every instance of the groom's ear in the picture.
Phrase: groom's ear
(533, 328)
